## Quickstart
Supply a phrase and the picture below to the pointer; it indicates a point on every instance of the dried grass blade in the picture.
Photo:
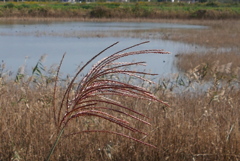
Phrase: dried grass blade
(55, 88)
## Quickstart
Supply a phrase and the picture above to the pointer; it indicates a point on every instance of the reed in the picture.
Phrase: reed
(94, 88)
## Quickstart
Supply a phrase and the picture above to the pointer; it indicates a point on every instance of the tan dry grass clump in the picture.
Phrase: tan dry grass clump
(219, 34)
(24, 121)
(192, 129)
(225, 64)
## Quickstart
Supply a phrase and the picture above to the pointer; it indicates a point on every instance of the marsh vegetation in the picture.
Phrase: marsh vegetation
(198, 124)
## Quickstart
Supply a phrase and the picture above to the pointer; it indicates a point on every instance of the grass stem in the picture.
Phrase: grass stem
(55, 144)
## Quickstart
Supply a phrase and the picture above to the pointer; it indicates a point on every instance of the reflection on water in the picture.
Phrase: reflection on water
(15, 48)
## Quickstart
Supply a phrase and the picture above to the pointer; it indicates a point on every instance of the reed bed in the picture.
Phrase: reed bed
(196, 126)
(218, 34)
(223, 63)
(192, 128)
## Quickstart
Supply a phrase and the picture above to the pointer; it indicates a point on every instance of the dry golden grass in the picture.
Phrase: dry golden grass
(196, 126)
(221, 33)
(224, 63)
(221, 57)
(193, 128)
(218, 34)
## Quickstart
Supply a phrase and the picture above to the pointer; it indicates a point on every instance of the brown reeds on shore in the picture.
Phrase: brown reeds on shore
(196, 126)
(223, 63)
(191, 129)
(217, 34)
(97, 95)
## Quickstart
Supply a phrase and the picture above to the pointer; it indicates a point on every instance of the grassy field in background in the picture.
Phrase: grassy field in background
(153, 10)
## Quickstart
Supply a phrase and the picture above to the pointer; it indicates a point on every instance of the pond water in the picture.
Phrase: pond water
(21, 45)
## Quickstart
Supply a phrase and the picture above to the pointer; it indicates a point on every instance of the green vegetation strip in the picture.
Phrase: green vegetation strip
(154, 10)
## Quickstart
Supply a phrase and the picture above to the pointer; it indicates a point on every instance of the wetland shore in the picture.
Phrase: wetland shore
(196, 126)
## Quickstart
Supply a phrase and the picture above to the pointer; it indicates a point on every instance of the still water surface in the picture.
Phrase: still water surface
(20, 45)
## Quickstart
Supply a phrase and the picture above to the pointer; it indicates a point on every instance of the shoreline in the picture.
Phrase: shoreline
(70, 19)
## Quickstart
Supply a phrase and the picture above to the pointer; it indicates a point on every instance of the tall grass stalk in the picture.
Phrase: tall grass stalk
(95, 91)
